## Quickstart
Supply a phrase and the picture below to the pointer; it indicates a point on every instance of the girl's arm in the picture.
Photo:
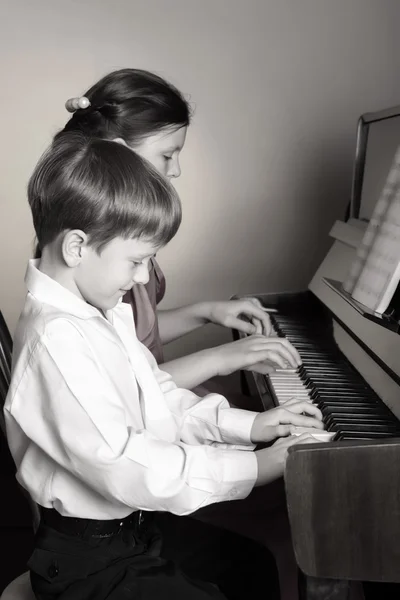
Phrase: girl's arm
(175, 323)
(192, 370)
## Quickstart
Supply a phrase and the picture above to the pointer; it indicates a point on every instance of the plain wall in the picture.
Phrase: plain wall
(277, 85)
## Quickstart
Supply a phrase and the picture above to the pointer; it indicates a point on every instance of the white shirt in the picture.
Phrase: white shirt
(97, 430)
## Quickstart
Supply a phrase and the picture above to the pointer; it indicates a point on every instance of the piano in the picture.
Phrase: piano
(343, 495)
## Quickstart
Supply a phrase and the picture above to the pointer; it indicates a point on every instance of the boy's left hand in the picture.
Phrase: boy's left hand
(228, 314)
(282, 421)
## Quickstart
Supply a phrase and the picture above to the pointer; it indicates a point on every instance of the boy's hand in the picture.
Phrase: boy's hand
(271, 461)
(282, 421)
(256, 353)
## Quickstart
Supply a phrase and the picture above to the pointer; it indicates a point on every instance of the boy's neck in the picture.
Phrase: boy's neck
(53, 266)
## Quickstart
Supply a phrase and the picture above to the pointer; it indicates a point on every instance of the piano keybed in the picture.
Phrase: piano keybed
(351, 409)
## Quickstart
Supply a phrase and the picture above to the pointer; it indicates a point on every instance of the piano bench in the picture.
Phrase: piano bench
(19, 589)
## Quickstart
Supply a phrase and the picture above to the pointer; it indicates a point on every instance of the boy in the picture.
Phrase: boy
(98, 433)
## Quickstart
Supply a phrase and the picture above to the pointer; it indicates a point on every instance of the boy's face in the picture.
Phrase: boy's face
(102, 279)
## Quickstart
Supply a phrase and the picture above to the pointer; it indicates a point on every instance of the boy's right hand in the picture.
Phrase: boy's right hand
(271, 461)
(256, 353)
(283, 420)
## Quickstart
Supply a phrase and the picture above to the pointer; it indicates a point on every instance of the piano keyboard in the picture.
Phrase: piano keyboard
(351, 409)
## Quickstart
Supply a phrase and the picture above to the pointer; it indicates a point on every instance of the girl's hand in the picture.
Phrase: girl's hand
(282, 421)
(228, 315)
(256, 353)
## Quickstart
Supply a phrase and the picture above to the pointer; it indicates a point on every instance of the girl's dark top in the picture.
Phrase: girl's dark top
(143, 300)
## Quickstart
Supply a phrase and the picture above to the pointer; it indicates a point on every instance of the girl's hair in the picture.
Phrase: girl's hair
(130, 104)
(103, 188)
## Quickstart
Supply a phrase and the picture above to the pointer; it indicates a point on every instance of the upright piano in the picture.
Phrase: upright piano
(343, 496)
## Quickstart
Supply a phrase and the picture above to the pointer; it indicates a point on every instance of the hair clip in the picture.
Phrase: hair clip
(74, 104)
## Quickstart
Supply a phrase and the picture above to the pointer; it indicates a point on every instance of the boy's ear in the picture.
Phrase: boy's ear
(73, 247)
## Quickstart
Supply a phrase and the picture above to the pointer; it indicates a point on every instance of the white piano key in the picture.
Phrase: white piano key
(291, 390)
(292, 397)
(322, 436)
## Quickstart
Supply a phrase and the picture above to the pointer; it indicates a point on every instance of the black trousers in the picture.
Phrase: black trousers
(135, 563)
(242, 568)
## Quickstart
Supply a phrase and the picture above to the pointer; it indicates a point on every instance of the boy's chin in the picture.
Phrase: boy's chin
(109, 303)
(112, 303)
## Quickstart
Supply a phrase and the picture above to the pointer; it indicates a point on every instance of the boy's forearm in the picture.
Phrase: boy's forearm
(268, 468)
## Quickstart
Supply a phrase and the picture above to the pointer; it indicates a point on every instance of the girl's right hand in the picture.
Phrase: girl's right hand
(256, 353)
(271, 461)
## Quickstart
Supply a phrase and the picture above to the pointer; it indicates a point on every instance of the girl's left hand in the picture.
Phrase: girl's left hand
(228, 315)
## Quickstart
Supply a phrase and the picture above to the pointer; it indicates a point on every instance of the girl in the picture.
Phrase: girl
(151, 116)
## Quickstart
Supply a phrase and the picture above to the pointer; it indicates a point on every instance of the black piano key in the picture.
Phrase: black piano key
(313, 349)
(316, 369)
(319, 365)
(360, 404)
(345, 381)
(317, 355)
(330, 416)
(349, 406)
(332, 393)
(360, 418)
(331, 386)
(330, 376)
(326, 395)
(353, 409)
(364, 427)
(322, 400)
(356, 436)
(373, 420)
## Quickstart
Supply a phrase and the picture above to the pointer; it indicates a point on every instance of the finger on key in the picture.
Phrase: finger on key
(296, 359)
(304, 407)
(321, 436)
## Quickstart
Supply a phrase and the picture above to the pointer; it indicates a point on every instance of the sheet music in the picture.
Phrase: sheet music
(375, 273)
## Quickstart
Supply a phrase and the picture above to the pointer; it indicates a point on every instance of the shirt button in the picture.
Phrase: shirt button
(53, 571)
(121, 523)
(233, 492)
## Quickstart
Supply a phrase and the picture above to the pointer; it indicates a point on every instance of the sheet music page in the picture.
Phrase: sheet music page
(375, 273)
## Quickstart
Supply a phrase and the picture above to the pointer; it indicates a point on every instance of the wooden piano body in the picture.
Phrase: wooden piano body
(344, 497)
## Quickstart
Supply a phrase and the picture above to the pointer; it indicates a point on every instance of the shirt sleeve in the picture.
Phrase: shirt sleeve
(209, 419)
(65, 405)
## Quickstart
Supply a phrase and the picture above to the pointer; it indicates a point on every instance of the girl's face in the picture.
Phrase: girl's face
(162, 150)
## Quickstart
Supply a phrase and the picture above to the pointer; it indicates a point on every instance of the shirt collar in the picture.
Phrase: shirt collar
(48, 291)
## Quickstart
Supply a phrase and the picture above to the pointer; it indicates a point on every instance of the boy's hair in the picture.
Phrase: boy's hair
(103, 188)
(130, 104)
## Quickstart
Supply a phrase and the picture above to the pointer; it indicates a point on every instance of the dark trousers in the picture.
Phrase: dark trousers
(133, 562)
(243, 569)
